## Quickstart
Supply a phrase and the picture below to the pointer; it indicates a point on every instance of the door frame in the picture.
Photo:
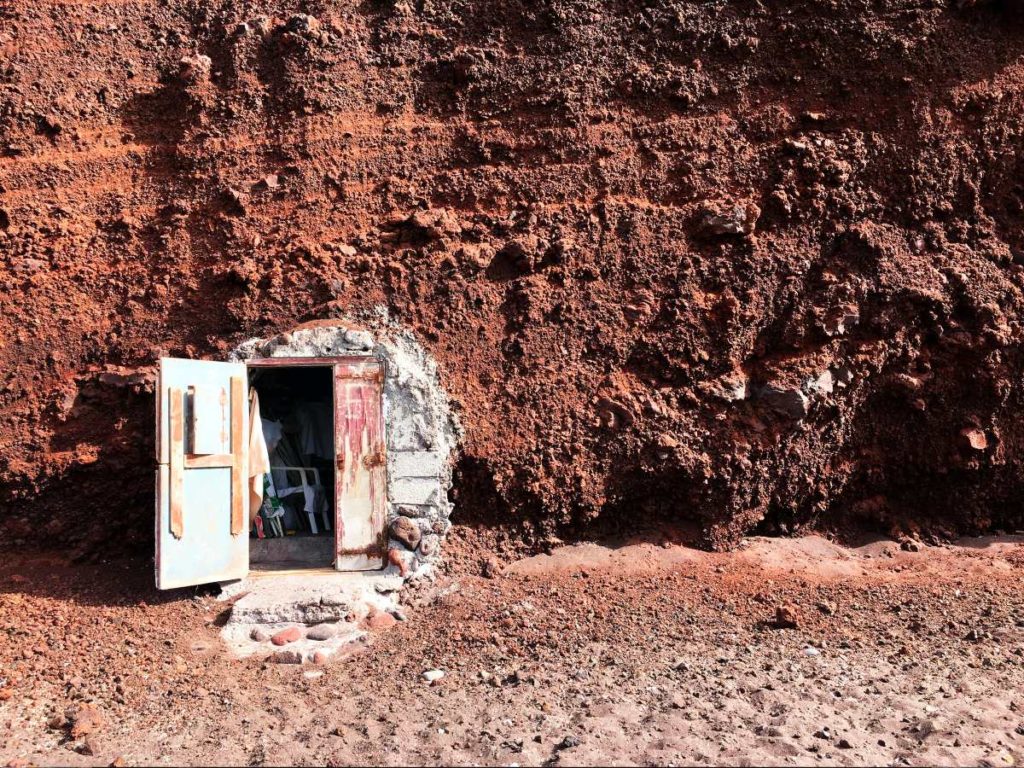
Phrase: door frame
(337, 364)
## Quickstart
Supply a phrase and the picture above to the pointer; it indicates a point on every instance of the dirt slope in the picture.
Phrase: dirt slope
(732, 263)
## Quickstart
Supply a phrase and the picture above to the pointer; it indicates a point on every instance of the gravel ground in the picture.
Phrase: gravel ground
(634, 654)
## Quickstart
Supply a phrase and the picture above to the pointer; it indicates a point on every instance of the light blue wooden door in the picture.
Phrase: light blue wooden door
(202, 516)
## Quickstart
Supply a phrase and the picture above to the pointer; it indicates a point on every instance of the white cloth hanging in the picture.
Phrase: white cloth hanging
(259, 457)
(272, 431)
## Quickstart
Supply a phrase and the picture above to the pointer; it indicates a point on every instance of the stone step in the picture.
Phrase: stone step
(309, 550)
(310, 598)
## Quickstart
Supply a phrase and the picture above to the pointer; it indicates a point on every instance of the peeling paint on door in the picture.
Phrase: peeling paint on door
(362, 464)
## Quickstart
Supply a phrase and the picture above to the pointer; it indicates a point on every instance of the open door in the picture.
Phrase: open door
(360, 482)
(202, 423)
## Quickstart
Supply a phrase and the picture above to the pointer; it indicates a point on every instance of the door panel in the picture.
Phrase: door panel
(202, 450)
(360, 480)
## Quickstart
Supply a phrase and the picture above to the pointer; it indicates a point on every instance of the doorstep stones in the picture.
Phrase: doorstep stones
(321, 632)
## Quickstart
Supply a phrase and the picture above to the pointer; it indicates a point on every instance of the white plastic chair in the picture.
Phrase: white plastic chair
(310, 491)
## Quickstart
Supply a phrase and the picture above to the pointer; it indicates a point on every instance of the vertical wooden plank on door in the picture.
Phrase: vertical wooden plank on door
(239, 455)
(360, 482)
(177, 460)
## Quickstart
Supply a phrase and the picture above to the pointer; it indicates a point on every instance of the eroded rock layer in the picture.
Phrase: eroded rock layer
(732, 263)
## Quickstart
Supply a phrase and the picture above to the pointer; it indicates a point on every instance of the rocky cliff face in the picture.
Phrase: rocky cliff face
(728, 263)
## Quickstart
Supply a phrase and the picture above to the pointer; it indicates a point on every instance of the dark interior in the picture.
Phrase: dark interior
(297, 516)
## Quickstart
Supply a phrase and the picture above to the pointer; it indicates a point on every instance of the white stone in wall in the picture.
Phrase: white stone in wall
(409, 432)
(415, 463)
(413, 490)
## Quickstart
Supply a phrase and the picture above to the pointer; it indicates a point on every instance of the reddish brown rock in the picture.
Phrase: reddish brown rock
(285, 636)
(406, 531)
(85, 719)
(380, 621)
(786, 616)
(974, 438)
(399, 559)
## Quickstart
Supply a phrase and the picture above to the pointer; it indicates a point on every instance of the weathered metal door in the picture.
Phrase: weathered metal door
(202, 418)
(360, 454)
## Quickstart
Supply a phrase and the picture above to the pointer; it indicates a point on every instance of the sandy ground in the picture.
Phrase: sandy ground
(637, 654)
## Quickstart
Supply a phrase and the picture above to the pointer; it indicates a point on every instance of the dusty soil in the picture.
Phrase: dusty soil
(736, 264)
(640, 654)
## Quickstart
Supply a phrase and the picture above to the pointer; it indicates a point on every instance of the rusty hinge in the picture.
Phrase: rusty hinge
(374, 459)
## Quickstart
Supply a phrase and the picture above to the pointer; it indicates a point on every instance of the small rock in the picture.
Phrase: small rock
(974, 438)
(287, 635)
(380, 621)
(824, 733)
(843, 376)
(321, 657)
(491, 567)
(287, 656)
(786, 616)
(433, 675)
(810, 650)
(322, 632)
(823, 383)
(844, 744)
(842, 320)
(85, 719)
(521, 254)
(826, 607)
(89, 746)
(738, 220)
(731, 387)
(666, 440)
(568, 743)
(400, 560)
(302, 23)
(195, 68)
(789, 402)
(259, 634)
(406, 531)
(429, 544)
(269, 182)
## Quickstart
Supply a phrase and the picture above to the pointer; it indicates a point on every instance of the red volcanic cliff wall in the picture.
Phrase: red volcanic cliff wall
(735, 263)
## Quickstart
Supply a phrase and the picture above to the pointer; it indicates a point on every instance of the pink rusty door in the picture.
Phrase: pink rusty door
(361, 520)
